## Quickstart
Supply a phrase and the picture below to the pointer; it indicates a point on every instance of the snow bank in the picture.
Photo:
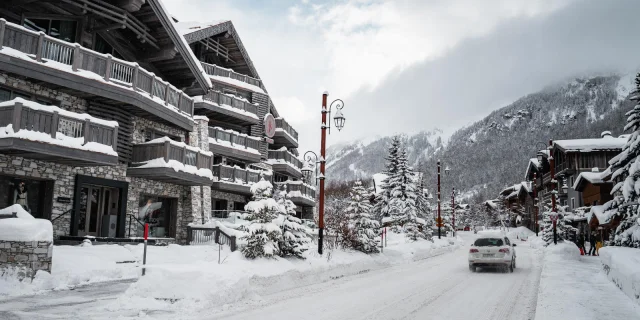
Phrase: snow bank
(573, 287)
(522, 233)
(622, 267)
(24, 227)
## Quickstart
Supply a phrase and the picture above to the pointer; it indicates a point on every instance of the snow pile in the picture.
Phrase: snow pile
(522, 233)
(568, 283)
(621, 266)
(24, 227)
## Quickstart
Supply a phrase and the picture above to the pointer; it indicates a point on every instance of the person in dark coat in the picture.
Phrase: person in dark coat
(592, 241)
(580, 243)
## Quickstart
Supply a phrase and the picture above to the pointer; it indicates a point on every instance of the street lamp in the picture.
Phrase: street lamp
(453, 209)
(439, 221)
(339, 120)
(309, 158)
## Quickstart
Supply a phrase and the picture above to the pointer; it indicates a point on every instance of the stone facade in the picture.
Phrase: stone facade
(190, 205)
(230, 197)
(27, 257)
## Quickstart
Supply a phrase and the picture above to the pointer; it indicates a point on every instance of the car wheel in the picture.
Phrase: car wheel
(472, 268)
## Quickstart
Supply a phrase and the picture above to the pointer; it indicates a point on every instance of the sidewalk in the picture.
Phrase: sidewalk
(575, 287)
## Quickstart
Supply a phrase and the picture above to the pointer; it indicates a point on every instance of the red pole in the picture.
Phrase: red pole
(453, 209)
(535, 203)
(323, 139)
(144, 255)
(439, 218)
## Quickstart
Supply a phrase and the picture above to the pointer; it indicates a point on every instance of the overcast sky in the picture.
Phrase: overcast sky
(412, 65)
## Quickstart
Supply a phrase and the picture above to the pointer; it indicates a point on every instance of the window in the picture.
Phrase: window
(573, 203)
(101, 45)
(60, 29)
(238, 206)
(220, 208)
(158, 212)
(488, 242)
(571, 182)
(7, 94)
(217, 159)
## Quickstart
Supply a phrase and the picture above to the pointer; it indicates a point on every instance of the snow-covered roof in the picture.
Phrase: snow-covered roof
(588, 145)
(186, 27)
(378, 181)
(533, 163)
(603, 213)
(491, 203)
(591, 177)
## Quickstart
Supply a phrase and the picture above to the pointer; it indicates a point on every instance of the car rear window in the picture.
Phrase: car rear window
(489, 242)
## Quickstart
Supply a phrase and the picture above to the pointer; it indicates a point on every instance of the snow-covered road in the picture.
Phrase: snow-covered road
(440, 287)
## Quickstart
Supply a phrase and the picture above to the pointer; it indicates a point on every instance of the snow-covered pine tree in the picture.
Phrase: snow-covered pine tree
(364, 228)
(295, 236)
(403, 193)
(626, 166)
(264, 234)
(561, 228)
(423, 208)
(381, 207)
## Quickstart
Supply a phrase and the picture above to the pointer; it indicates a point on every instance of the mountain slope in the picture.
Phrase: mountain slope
(493, 152)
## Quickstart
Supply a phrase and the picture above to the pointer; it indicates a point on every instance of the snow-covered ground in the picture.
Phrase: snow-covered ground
(575, 287)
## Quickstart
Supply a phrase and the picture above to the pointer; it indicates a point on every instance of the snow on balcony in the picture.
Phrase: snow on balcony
(234, 139)
(229, 102)
(176, 155)
(56, 126)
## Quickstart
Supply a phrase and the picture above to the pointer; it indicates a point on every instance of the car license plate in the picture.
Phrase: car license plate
(487, 255)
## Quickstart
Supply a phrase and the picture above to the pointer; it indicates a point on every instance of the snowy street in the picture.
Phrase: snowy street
(440, 287)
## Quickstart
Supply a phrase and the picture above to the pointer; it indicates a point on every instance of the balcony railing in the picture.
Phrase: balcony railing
(108, 68)
(237, 175)
(235, 139)
(172, 151)
(306, 190)
(223, 99)
(286, 156)
(282, 124)
(214, 70)
(23, 115)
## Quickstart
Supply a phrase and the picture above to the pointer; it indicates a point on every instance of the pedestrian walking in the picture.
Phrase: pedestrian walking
(592, 242)
(581, 244)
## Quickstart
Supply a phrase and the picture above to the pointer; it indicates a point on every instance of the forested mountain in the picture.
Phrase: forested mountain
(493, 152)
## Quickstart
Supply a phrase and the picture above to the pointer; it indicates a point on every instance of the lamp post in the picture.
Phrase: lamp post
(536, 201)
(310, 157)
(553, 192)
(535, 204)
(339, 120)
(439, 222)
(453, 209)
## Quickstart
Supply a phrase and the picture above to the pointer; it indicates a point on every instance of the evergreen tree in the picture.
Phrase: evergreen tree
(364, 229)
(295, 236)
(423, 209)
(264, 235)
(403, 193)
(626, 166)
(381, 208)
(561, 228)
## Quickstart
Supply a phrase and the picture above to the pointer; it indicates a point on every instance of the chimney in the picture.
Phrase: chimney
(605, 134)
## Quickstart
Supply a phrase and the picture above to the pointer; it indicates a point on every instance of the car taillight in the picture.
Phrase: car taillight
(505, 250)
(473, 250)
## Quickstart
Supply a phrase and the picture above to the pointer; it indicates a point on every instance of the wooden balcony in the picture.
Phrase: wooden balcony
(235, 180)
(48, 133)
(225, 108)
(88, 74)
(230, 77)
(285, 135)
(232, 144)
(170, 161)
(285, 162)
(301, 194)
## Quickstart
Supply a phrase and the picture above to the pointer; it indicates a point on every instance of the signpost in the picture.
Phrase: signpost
(269, 125)
(144, 256)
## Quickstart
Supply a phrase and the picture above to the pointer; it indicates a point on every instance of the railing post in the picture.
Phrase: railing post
(192, 107)
(87, 131)
(17, 116)
(166, 95)
(40, 48)
(184, 154)
(134, 77)
(3, 24)
(114, 144)
(153, 81)
(167, 148)
(189, 234)
(54, 124)
(107, 70)
(77, 58)
(216, 235)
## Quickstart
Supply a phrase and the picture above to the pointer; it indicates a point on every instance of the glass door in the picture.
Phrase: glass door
(91, 206)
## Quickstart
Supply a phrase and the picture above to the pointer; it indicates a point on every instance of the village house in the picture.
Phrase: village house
(115, 116)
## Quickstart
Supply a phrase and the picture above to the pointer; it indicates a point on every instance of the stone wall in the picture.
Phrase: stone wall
(230, 197)
(141, 125)
(27, 256)
(63, 100)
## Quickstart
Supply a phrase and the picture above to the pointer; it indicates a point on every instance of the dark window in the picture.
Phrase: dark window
(101, 45)
(217, 159)
(238, 206)
(157, 212)
(151, 134)
(7, 94)
(60, 29)
(28, 193)
(488, 242)
(220, 209)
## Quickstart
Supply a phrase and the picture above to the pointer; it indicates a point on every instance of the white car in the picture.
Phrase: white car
(492, 250)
